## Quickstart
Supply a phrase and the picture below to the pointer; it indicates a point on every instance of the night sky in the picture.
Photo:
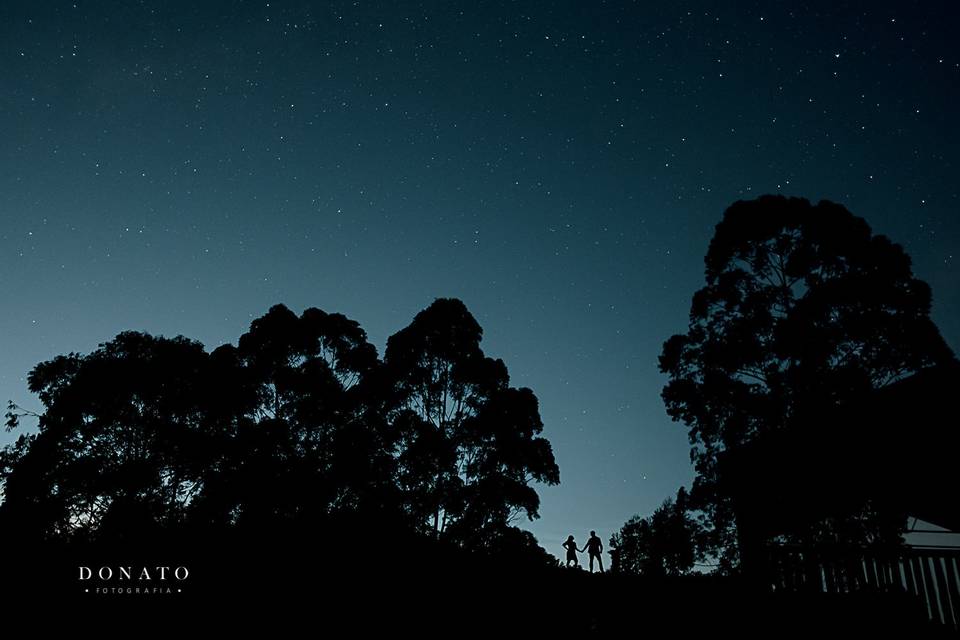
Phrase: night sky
(178, 168)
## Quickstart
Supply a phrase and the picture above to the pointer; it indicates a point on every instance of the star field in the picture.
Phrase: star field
(180, 167)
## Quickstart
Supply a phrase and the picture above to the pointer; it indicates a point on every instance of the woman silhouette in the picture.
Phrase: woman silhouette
(571, 546)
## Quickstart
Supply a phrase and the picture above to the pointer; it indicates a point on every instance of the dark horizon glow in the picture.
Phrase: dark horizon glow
(178, 168)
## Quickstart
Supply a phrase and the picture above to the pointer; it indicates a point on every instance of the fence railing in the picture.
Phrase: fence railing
(933, 575)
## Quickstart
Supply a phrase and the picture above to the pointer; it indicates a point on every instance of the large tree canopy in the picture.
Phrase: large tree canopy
(803, 308)
(303, 441)
(121, 444)
(470, 444)
(298, 425)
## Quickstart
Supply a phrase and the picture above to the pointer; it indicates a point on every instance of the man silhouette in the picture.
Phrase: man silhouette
(593, 547)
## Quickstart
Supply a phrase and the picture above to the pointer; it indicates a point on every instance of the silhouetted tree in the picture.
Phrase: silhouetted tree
(148, 432)
(305, 440)
(803, 308)
(120, 447)
(662, 544)
(469, 443)
(298, 428)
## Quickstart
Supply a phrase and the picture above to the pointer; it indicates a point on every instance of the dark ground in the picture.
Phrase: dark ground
(384, 588)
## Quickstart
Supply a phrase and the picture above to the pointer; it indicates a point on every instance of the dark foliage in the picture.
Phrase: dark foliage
(299, 428)
(803, 309)
(469, 444)
(663, 544)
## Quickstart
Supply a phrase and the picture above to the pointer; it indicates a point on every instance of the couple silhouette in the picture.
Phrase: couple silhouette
(593, 547)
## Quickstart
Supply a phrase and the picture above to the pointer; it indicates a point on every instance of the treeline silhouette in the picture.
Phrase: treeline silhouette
(818, 398)
(297, 447)
(805, 317)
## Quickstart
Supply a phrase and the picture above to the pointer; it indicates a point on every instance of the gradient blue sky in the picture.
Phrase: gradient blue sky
(180, 167)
